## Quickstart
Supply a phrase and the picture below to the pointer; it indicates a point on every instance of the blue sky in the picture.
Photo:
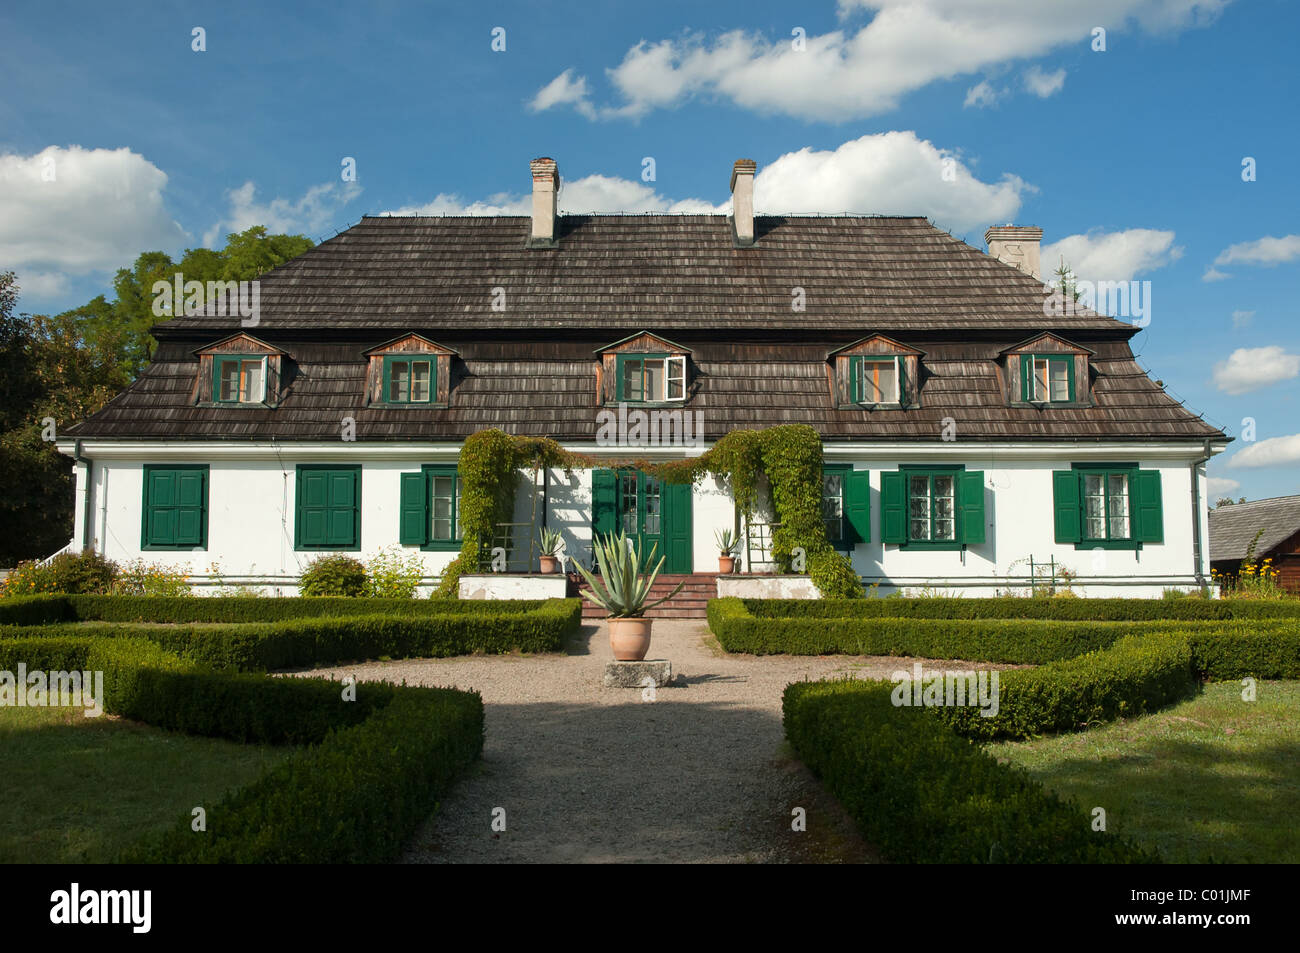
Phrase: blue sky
(1130, 159)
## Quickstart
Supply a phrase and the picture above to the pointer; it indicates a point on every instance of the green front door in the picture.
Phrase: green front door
(651, 512)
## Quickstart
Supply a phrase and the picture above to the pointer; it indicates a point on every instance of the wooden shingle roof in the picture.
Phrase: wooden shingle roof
(755, 361)
(1232, 528)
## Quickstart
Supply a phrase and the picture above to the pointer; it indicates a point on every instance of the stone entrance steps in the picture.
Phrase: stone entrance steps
(690, 603)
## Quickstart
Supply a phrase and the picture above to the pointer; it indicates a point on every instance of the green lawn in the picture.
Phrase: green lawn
(1212, 778)
(78, 789)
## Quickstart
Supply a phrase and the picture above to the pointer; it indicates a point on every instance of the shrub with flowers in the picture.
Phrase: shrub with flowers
(138, 578)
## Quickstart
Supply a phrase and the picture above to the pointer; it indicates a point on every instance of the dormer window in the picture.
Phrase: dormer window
(1047, 370)
(240, 370)
(409, 380)
(875, 372)
(1048, 378)
(649, 378)
(409, 371)
(874, 380)
(643, 369)
(239, 379)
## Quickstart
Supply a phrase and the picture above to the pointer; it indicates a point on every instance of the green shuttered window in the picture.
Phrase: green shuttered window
(410, 378)
(1112, 506)
(1047, 379)
(430, 508)
(877, 380)
(932, 508)
(175, 508)
(846, 506)
(328, 508)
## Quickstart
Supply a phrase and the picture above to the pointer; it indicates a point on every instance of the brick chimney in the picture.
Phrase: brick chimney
(742, 201)
(1016, 245)
(546, 187)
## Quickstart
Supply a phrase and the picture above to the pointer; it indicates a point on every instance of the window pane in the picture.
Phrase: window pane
(252, 388)
(420, 381)
(398, 381)
(945, 526)
(1094, 506)
(229, 380)
(627, 501)
(654, 380)
(444, 491)
(1040, 379)
(833, 505)
(630, 386)
(676, 378)
(918, 493)
(1060, 371)
(1117, 484)
(651, 505)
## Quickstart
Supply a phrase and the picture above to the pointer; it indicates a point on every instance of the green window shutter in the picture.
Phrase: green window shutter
(414, 520)
(1026, 373)
(1148, 513)
(901, 363)
(893, 507)
(857, 505)
(312, 501)
(1067, 506)
(1070, 377)
(191, 507)
(855, 374)
(160, 514)
(342, 504)
(604, 501)
(970, 502)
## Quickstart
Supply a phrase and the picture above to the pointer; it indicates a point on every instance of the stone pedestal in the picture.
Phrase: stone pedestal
(634, 674)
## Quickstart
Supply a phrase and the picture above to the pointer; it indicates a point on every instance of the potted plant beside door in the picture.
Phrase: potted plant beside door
(728, 546)
(552, 544)
(622, 592)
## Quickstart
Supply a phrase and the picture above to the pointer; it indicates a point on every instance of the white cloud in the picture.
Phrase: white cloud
(318, 207)
(1220, 485)
(887, 173)
(1263, 251)
(601, 194)
(1043, 84)
(1213, 274)
(982, 95)
(564, 90)
(1112, 256)
(1251, 368)
(1274, 452)
(102, 208)
(42, 284)
(1242, 319)
(856, 72)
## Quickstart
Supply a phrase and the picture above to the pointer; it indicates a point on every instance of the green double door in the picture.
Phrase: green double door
(654, 513)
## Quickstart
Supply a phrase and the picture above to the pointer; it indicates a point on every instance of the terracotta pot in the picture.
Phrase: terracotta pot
(726, 564)
(550, 564)
(629, 638)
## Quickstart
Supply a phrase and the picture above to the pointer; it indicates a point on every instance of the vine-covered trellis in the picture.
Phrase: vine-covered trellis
(790, 456)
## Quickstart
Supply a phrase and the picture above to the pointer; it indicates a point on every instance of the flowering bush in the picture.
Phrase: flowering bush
(335, 575)
(28, 579)
(138, 578)
(393, 574)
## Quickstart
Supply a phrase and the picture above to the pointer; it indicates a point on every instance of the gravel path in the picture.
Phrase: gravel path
(585, 773)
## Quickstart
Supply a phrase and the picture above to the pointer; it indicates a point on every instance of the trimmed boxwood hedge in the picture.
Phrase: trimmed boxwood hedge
(40, 610)
(1138, 674)
(921, 794)
(1273, 644)
(1076, 610)
(543, 626)
(374, 771)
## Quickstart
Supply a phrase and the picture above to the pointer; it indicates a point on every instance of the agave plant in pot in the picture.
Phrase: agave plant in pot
(552, 544)
(728, 546)
(622, 591)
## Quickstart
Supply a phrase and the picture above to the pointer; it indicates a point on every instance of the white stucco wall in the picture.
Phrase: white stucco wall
(252, 497)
